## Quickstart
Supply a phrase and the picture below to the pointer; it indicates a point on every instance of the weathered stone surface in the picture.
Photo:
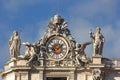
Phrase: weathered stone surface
(58, 56)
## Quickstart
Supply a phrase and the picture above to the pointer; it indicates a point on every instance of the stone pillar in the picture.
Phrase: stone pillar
(36, 76)
(23, 76)
(41, 75)
(97, 60)
(41, 61)
(72, 75)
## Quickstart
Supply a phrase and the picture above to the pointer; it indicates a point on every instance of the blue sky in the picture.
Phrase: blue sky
(31, 17)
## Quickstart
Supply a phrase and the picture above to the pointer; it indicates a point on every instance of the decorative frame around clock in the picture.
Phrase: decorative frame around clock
(57, 47)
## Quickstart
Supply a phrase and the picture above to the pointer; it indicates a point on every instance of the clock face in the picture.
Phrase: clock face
(57, 48)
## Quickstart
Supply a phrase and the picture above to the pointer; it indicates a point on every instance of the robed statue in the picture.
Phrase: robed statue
(98, 42)
(14, 45)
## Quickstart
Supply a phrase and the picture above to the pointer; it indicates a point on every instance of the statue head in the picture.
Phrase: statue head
(97, 73)
(15, 33)
(26, 43)
(78, 45)
(57, 19)
(98, 29)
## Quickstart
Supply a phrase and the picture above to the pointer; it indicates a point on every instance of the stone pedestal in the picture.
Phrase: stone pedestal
(14, 63)
(97, 60)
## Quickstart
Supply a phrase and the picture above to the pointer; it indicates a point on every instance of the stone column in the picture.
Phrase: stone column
(72, 75)
(23, 75)
(41, 75)
(41, 61)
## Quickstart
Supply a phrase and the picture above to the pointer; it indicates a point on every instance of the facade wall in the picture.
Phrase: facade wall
(81, 76)
(10, 76)
(112, 75)
(15, 70)
(70, 75)
(35, 76)
(84, 76)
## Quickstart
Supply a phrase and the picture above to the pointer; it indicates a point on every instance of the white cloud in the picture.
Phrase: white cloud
(42, 28)
(112, 48)
(95, 8)
(81, 27)
(78, 24)
(80, 31)
(118, 23)
(29, 32)
(4, 50)
(81, 23)
(108, 32)
(15, 5)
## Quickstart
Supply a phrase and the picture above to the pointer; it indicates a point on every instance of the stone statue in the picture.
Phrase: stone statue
(80, 55)
(14, 45)
(48, 33)
(82, 51)
(66, 33)
(30, 53)
(77, 53)
(41, 47)
(97, 74)
(98, 42)
(56, 24)
(42, 51)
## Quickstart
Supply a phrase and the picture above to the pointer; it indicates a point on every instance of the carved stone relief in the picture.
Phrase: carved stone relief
(63, 49)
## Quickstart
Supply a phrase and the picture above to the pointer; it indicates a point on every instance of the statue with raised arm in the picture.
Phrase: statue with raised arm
(98, 42)
(30, 53)
(84, 58)
(80, 55)
(77, 54)
(14, 45)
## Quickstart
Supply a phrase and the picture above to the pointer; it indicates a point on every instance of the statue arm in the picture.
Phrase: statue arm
(83, 45)
(51, 23)
(10, 41)
(87, 43)
(103, 39)
(92, 35)
(19, 41)
(64, 23)
(26, 43)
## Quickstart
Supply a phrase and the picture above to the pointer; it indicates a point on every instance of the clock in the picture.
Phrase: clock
(57, 47)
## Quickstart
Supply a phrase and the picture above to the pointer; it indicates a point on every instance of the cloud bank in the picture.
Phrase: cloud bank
(82, 16)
